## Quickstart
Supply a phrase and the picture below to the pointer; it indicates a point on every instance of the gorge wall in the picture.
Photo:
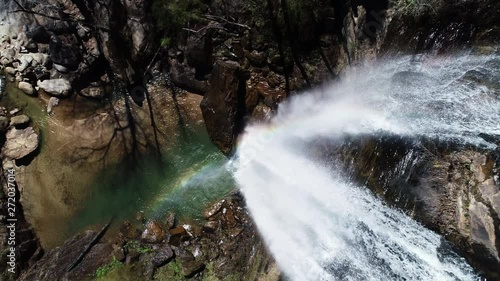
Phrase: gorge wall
(243, 57)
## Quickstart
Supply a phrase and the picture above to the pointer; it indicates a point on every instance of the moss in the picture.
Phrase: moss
(138, 247)
(209, 274)
(106, 269)
(170, 272)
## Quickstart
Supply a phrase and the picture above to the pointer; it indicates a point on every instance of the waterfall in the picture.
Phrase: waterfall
(320, 226)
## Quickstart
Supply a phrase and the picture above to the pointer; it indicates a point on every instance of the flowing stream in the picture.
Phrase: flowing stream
(321, 226)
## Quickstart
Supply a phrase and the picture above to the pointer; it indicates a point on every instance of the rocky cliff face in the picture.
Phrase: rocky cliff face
(450, 188)
(244, 58)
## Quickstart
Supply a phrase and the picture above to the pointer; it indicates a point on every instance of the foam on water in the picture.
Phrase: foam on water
(317, 224)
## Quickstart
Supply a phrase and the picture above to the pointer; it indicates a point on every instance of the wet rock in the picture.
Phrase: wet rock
(482, 226)
(153, 233)
(170, 220)
(162, 256)
(139, 216)
(20, 143)
(176, 235)
(55, 87)
(214, 209)
(26, 87)
(262, 113)
(19, 121)
(211, 226)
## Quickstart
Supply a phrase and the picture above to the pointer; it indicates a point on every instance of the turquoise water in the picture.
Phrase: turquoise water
(185, 180)
(188, 176)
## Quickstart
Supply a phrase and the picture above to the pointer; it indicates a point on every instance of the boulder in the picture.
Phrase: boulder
(189, 265)
(153, 233)
(26, 87)
(41, 59)
(63, 50)
(20, 143)
(55, 87)
(24, 63)
(61, 68)
(182, 76)
(170, 220)
(8, 56)
(31, 47)
(199, 52)
(223, 106)
(10, 70)
(38, 34)
(5, 39)
(19, 121)
(162, 256)
(176, 235)
(214, 209)
(93, 92)
(210, 226)
(53, 102)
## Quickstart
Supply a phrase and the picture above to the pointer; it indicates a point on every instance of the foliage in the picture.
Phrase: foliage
(170, 272)
(304, 16)
(209, 275)
(172, 15)
(301, 11)
(165, 41)
(138, 247)
(107, 268)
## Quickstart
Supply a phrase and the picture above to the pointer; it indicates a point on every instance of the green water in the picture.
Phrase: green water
(15, 98)
(187, 177)
(185, 180)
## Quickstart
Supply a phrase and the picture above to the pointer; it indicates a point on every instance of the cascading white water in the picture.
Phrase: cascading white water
(317, 224)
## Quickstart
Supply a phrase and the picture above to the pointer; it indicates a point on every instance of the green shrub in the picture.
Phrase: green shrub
(172, 15)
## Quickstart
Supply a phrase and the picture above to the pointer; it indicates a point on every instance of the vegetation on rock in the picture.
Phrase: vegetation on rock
(172, 16)
(108, 268)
